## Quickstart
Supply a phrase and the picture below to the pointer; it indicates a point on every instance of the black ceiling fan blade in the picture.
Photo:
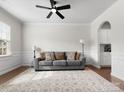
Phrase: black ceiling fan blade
(50, 14)
(60, 15)
(55, 2)
(38, 6)
(52, 3)
(63, 7)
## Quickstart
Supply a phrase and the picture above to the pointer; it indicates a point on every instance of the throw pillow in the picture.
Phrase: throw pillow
(52, 56)
(42, 55)
(48, 56)
(71, 55)
(60, 55)
(78, 56)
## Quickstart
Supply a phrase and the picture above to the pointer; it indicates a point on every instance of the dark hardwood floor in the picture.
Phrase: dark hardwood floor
(104, 72)
(11, 74)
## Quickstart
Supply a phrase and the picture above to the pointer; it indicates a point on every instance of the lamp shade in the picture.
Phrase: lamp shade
(82, 41)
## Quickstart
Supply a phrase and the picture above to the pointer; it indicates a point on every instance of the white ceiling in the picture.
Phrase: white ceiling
(82, 11)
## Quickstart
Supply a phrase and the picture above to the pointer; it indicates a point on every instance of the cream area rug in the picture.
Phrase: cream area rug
(58, 81)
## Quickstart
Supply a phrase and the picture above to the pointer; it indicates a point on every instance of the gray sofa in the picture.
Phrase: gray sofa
(65, 64)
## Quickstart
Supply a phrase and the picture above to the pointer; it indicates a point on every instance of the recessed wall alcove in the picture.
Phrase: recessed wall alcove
(104, 44)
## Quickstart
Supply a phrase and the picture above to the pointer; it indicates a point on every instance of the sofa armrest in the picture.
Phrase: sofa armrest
(82, 59)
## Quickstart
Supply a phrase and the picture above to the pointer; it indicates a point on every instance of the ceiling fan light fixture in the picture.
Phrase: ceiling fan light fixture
(53, 10)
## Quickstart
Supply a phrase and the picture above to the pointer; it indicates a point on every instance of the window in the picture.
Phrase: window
(4, 39)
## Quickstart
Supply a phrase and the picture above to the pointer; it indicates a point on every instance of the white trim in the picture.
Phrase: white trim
(9, 55)
(10, 69)
(40, 23)
(97, 66)
(27, 64)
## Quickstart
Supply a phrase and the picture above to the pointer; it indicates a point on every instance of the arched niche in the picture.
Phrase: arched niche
(106, 25)
(104, 33)
(104, 43)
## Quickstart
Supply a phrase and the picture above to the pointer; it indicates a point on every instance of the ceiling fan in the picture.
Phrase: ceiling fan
(55, 9)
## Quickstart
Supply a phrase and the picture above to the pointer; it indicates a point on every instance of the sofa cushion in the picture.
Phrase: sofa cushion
(46, 63)
(59, 55)
(73, 62)
(71, 55)
(78, 56)
(59, 63)
(49, 56)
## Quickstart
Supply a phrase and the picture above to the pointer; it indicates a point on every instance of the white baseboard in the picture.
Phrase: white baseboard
(27, 64)
(10, 69)
(117, 76)
(97, 66)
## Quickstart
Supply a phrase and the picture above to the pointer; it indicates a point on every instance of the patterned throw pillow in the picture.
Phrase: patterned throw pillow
(60, 55)
(71, 55)
(49, 56)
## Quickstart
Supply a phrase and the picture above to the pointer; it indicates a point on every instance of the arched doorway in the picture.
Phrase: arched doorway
(104, 44)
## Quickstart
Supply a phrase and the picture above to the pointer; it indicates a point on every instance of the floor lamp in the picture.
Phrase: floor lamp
(82, 42)
(34, 55)
(34, 51)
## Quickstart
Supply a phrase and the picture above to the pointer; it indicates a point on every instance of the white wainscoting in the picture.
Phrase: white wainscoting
(27, 58)
(11, 62)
